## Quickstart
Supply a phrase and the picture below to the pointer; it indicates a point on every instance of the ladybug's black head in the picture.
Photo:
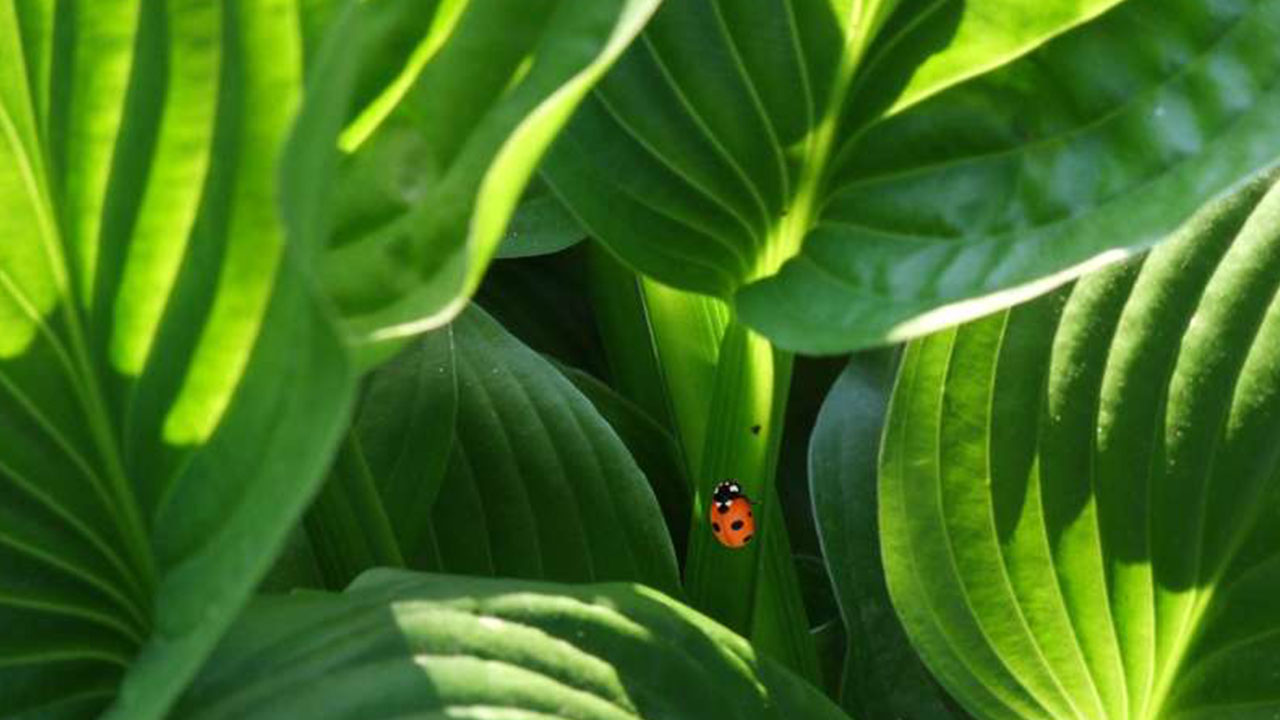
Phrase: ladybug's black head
(727, 491)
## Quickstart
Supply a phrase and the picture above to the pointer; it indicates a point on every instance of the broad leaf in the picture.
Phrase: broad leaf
(521, 478)
(541, 225)
(850, 174)
(437, 153)
(401, 645)
(883, 677)
(653, 448)
(169, 392)
(544, 302)
(1078, 496)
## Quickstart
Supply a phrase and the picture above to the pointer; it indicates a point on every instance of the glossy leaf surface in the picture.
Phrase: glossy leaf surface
(405, 645)
(852, 174)
(1078, 496)
(883, 677)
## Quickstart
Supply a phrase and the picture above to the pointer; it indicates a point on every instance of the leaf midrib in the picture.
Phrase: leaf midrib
(78, 369)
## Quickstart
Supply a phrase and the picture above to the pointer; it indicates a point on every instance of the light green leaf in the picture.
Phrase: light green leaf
(1078, 496)
(883, 677)
(400, 644)
(523, 478)
(726, 389)
(169, 392)
(855, 173)
(439, 153)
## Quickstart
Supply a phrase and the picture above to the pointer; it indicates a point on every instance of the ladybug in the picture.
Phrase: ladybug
(731, 519)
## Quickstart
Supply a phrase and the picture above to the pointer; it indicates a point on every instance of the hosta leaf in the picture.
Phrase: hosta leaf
(440, 150)
(544, 302)
(525, 479)
(653, 448)
(1078, 496)
(726, 389)
(541, 225)
(169, 392)
(850, 174)
(400, 645)
(883, 677)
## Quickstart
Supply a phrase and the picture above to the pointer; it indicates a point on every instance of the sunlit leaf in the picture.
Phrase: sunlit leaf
(850, 174)
(1078, 496)
(405, 645)
(169, 392)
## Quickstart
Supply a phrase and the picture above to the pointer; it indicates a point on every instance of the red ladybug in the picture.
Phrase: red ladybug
(731, 519)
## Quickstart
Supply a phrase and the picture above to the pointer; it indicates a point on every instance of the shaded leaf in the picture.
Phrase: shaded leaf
(511, 472)
(400, 644)
(541, 225)
(883, 677)
(440, 149)
(652, 447)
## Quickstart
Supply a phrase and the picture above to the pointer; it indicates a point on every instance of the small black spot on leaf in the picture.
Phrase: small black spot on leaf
(737, 525)
(755, 429)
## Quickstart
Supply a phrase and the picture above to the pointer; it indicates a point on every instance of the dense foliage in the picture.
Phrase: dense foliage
(378, 358)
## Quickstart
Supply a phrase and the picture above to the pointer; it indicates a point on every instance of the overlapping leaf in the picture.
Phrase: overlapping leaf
(169, 393)
(472, 454)
(404, 645)
(882, 675)
(725, 390)
(859, 172)
(1078, 496)
(440, 149)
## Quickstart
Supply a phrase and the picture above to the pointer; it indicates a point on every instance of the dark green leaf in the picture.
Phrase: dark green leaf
(855, 173)
(883, 678)
(541, 225)
(400, 645)
(653, 448)
(521, 478)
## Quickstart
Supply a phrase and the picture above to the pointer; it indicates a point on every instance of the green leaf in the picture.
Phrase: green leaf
(169, 392)
(653, 448)
(523, 478)
(1078, 496)
(439, 151)
(541, 225)
(544, 302)
(856, 173)
(883, 677)
(400, 645)
(404, 645)
(726, 389)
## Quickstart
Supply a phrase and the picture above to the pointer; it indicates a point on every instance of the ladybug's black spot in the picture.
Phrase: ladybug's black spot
(755, 429)
(715, 527)
(737, 525)
(747, 539)
(722, 509)
(749, 514)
